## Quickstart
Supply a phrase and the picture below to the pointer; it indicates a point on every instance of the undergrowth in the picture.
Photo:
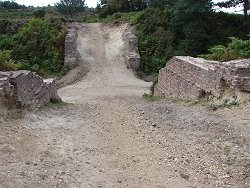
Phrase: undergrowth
(236, 49)
(35, 44)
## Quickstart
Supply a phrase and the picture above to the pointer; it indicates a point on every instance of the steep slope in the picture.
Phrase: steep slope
(102, 48)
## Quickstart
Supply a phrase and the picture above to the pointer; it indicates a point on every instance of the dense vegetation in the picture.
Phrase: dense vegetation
(70, 7)
(178, 27)
(236, 49)
(35, 44)
(33, 39)
(11, 5)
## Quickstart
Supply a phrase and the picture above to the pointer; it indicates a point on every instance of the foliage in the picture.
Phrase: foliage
(191, 34)
(173, 31)
(39, 13)
(155, 39)
(16, 14)
(130, 17)
(37, 45)
(236, 49)
(88, 19)
(6, 63)
(161, 4)
(110, 7)
(28, 13)
(223, 25)
(11, 5)
(70, 7)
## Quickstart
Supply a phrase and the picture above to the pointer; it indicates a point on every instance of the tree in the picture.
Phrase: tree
(234, 3)
(137, 5)
(160, 4)
(190, 25)
(70, 6)
(11, 5)
(113, 6)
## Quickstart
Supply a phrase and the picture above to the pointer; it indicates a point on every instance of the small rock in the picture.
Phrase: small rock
(226, 176)
(184, 176)
(154, 125)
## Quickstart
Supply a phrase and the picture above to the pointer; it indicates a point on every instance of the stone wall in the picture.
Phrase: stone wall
(237, 74)
(71, 54)
(25, 89)
(192, 78)
(131, 49)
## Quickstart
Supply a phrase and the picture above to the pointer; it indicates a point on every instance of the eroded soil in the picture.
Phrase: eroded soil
(107, 135)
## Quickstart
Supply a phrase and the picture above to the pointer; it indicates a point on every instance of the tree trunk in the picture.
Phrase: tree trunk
(246, 7)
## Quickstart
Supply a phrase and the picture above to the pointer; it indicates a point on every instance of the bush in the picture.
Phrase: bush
(165, 33)
(155, 39)
(236, 49)
(88, 19)
(6, 63)
(37, 45)
(39, 13)
(130, 17)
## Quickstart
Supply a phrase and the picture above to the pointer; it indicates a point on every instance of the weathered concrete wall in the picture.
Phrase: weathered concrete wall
(192, 78)
(71, 54)
(5, 86)
(237, 74)
(6, 90)
(132, 55)
(25, 89)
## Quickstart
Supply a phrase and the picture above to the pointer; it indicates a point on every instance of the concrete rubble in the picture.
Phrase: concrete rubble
(133, 58)
(192, 78)
(25, 89)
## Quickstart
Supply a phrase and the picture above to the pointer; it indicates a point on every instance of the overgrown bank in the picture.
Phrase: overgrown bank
(164, 33)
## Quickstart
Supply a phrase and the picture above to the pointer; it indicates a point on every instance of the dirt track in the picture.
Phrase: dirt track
(108, 136)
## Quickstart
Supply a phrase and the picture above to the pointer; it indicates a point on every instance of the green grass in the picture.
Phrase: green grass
(56, 103)
(152, 98)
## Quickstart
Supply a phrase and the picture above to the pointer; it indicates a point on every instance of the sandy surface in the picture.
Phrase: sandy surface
(108, 136)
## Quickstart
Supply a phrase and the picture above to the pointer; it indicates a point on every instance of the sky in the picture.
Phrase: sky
(91, 3)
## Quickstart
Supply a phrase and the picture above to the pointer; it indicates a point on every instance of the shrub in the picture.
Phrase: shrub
(39, 13)
(6, 63)
(155, 38)
(38, 45)
(236, 49)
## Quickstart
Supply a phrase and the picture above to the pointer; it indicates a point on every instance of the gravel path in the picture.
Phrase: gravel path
(107, 135)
